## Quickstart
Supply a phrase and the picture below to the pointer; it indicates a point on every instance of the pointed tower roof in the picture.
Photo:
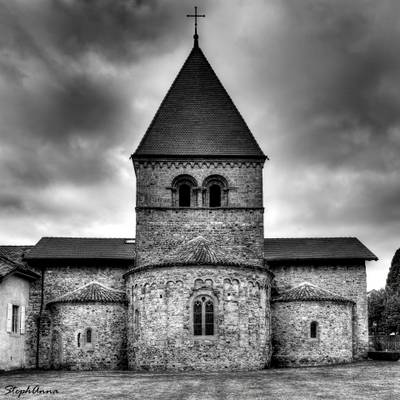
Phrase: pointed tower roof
(197, 118)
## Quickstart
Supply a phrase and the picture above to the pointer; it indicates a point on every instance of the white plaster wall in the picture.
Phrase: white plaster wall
(13, 290)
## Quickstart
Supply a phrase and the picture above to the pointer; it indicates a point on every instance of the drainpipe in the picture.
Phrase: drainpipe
(39, 320)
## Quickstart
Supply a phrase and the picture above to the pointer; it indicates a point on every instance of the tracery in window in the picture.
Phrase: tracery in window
(203, 316)
(313, 329)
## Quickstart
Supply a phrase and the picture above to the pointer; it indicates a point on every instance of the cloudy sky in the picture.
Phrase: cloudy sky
(316, 81)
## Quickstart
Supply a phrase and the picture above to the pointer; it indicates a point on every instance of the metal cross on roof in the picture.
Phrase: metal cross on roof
(195, 16)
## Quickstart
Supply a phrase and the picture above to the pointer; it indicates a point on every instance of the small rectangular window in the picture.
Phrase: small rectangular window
(15, 319)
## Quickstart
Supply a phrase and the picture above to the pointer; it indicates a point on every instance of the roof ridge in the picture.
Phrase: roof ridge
(312, 237)
(84, 237)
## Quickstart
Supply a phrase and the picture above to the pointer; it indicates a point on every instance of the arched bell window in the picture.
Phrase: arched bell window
(203, 316)
(313, 329)
(215, 195)
(184, 193)
(215, 191)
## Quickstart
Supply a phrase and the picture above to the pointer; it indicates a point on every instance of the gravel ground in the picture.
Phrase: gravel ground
(363, 380)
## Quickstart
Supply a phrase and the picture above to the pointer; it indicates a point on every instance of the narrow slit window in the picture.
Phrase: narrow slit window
(136, 320)
(15, 319)
(313, 329)
(89, 335)
(79, 340)
(197, 318)
(209, 318)
(184, 195)
(215, 196)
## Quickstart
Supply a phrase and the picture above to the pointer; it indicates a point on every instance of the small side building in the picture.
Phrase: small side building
(312, 326)
(15, 280)
(333, 265)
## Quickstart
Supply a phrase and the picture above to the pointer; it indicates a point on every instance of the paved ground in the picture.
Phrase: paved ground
(364, 380)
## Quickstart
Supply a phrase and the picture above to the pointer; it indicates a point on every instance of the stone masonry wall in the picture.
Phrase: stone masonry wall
(348, 280)
(153, 181)
(291, 341)
(159, 232)
(161, 226)
(108, 347)
(59, 280)
(161, 334)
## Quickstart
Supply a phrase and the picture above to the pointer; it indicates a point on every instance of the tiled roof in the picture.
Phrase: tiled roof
(309, 292)
(83, 248)
(92, 292)
(11, 261)
(315, 248)
(200, 251)
(198, 118)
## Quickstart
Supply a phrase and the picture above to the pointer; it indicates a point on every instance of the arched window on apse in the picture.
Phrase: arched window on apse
(203, 316)
(313, 329)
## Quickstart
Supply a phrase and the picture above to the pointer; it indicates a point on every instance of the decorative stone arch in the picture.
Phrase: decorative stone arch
(184, 191)
(215, 190)
(202, 297)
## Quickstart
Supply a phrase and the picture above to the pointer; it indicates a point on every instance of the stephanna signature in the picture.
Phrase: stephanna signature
(36, 390)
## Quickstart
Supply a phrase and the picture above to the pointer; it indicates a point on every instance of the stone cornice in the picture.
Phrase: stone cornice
(201, 163)
(199, 208)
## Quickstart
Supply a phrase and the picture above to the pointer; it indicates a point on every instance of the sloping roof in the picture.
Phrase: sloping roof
(316, 248)
(309, 292)
(200, 251)
(11, 261)
(198, 118)
(91, 292)
(83, 248)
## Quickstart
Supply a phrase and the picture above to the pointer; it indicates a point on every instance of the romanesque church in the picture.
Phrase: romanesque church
(200, 287)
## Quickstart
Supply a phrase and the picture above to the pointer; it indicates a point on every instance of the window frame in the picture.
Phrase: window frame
(177, 182)
(15, 319)
(313, 330)
(215, 180)
(209, 296)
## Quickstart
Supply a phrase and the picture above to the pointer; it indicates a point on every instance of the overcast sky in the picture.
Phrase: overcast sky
(316, 81)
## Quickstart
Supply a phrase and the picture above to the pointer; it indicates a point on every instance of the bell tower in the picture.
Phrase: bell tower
(198, 171)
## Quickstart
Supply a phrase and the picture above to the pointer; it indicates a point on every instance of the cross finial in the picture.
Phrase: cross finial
(195, 16)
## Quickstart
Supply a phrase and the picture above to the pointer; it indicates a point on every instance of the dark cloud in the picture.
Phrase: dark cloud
(316, 80)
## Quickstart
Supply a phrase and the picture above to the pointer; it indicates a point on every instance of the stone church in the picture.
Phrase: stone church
(200, 287)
